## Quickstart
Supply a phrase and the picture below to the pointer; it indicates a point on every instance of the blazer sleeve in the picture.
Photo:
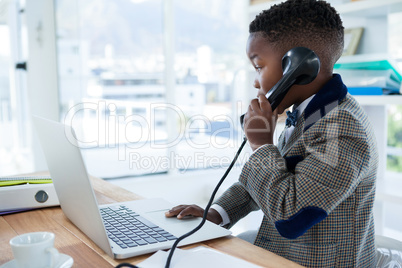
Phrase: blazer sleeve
(334, 162)
(237, 203)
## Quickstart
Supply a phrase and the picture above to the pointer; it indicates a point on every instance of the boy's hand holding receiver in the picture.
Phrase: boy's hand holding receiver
(259, 122)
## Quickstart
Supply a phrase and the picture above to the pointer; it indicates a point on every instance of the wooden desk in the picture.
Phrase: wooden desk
(71, 241)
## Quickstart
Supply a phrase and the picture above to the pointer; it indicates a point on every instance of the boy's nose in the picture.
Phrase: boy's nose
(256, 83)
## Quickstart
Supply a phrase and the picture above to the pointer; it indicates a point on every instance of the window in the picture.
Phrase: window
(15, 153)
(394, 157)
(114, 89)
(210, 52)
(6, 120)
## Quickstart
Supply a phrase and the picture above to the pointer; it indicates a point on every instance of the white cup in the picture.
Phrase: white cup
(34, 250)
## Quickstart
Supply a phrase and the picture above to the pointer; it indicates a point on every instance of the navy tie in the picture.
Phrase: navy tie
(292, 118)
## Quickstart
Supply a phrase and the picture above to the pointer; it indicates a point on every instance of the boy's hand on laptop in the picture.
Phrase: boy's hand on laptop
(193, 210)
(259, 122)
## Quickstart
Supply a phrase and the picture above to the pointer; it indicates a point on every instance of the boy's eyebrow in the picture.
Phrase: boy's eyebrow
(253, 56)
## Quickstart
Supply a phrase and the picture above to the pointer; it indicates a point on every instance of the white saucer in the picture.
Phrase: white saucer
(65, 261)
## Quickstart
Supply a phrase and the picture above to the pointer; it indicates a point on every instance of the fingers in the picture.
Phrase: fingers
(174, 211)
(185, 210)
(264, 104)
(253, 109)
(254, 105)
(194, 211)
(260, 105)
(259, 122)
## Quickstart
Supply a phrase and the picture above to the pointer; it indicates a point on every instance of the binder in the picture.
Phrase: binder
(25, 193)
(372, 91)
(370, 75)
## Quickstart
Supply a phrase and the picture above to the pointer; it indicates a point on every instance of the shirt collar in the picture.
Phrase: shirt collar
(302, 106)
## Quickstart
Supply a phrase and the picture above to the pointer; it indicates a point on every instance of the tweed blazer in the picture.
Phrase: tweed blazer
(317, 190)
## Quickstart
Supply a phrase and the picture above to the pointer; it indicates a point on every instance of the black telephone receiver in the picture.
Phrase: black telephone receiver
(300, 66)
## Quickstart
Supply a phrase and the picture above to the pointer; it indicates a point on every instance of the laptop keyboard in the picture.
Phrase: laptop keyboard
(128, 229)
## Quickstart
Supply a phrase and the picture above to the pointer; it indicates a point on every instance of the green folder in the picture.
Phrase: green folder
(10, 181)
(371, 65)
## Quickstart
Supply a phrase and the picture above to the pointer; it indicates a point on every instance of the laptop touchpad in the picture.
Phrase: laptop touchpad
(160, 218)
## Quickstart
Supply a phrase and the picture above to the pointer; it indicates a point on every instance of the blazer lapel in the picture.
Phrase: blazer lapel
(323, 102)
(281, 141)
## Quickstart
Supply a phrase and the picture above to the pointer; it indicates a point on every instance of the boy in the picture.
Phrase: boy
(317, 187)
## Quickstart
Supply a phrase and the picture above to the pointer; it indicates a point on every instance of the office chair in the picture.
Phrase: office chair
(388, 252)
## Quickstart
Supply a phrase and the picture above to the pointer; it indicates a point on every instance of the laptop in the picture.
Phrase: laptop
(123, 229)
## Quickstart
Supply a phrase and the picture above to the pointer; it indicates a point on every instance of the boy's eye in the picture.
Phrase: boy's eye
(257, 68)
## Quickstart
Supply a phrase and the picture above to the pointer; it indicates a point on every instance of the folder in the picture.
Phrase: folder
(26, 193)
(370, 75)
(372, 91)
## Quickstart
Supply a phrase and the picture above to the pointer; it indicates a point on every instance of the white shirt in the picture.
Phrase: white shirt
(300, 108)
(288, 133)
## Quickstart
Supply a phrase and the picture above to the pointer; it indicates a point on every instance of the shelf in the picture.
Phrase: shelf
(363, 8)
(366, 58)
(369, 8)
(378, 100)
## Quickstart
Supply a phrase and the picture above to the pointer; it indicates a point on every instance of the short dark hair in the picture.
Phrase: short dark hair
(309, 23)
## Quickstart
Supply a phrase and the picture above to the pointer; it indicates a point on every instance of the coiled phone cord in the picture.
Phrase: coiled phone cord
(204, 217)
